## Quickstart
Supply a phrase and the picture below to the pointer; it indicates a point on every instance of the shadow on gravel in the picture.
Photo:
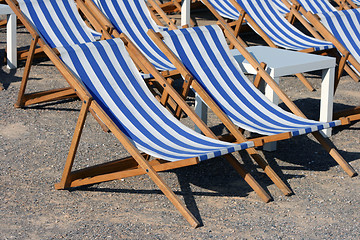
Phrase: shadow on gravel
(55, 105)
(214, 177)
(7, 78)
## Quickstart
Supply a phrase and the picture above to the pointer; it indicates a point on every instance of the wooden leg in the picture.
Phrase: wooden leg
(65, 180)
(269, 172)
(258, 78)
(347, 113)
(305, 82)
(165, 95)
(170, 195)
(248, 178)
(335, 154)
(340, 70)
(351, 73)
(20, 101)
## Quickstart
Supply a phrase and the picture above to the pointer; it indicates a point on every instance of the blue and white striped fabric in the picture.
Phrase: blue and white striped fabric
(57, 21)
(345, 26)
(317, 6)
(132, 17)
(278, 29)
(280, 6)
(205, 53)
(107, 71)
(227, 10)
(357, 2)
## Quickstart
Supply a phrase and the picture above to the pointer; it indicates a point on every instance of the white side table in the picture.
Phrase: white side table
(281, 63)
(10, 35)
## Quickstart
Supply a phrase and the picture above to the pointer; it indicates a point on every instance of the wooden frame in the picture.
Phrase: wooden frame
(138, 163)
(318, 30)
(266, 77)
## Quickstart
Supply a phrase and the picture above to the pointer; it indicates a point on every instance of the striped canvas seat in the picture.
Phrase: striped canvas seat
(345, 26)
(113, 80)
(132, 17)
(227, 10)
(280, 6)
(317, 6)
(278, 29)
(205, 53)
(57, 21)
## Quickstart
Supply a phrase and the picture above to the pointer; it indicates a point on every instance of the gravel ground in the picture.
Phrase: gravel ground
(34, 143)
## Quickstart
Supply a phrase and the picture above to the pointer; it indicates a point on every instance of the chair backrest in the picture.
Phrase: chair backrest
(57, 21)
(227, 10)
(133, 18)
(278, 29)
(206, 55)
(280, 6)
(345, 26)
(317, 6)
(114, 82)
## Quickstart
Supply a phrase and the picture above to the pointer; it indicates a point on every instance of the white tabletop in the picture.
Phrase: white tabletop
(284, 62)
(5, 9)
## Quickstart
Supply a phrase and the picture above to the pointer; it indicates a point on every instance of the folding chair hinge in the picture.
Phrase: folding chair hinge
(188, 78)
(344, 120)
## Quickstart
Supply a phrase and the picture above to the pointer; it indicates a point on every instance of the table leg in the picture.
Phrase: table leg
(11, 41)
(185, 12)
(200, 110)
(270, 94)
(327, 98)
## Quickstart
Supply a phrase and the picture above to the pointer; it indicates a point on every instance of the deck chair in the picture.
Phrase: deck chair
(265, 19)
(252, 151)
(119, 9)
(203, 53)
(105, 78)
(341, 28)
